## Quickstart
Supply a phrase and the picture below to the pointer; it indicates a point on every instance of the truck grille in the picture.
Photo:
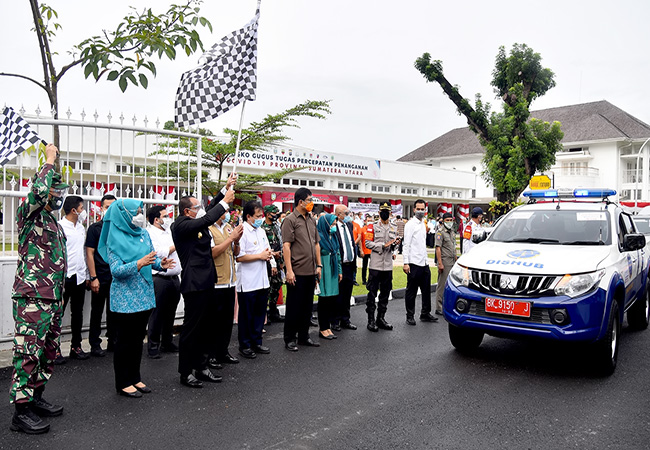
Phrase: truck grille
(511, 285)
(537, 315)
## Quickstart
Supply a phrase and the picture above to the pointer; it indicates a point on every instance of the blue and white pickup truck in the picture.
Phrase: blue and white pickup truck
(567, 266)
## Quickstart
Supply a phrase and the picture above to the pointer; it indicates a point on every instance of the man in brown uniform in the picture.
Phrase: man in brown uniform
(301, 253)
(382, 240)
(445, 255)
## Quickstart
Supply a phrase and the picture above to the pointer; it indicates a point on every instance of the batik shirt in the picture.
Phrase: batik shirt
(41, 244)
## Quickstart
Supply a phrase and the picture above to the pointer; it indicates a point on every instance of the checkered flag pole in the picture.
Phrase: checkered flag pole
(228, 76)
(16, 135)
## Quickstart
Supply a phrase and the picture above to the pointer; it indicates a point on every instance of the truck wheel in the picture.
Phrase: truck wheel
(463, 339)
(638, 315)
(606, 349)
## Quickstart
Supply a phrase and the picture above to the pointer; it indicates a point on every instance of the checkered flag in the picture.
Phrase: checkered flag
(226, 78)
(16, 136)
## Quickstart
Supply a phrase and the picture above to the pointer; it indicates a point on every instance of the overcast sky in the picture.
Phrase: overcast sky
(359, 54)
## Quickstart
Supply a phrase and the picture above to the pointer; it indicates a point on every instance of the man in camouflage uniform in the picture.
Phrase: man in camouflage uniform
(270, 226)
(37, 302)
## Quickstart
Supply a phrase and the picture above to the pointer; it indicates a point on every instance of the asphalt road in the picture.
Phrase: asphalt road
(400, 389)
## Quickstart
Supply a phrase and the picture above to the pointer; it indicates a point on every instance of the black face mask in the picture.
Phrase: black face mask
(55, 203)
(384, 215)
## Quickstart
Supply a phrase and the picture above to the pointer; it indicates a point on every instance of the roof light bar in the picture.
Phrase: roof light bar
(576, 193)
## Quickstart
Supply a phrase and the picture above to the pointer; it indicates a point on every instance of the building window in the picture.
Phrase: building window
(79, 166)
(380, 188)
(121, 168)
(473, 193)
(294, 182)
(348, 186)
(286, 181)
(303, 182)
(434, 193)
(409, 191)
(456, 194)
(320, 183)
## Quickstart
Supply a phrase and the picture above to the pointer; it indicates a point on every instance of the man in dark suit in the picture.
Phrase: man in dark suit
(348, 249)
(198, 277)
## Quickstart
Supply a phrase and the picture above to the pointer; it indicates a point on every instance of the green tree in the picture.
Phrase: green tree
(257, 136)
(125, 54)
(516, 145)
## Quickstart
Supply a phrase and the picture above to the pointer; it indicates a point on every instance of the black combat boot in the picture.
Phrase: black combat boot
(372, 326)
(28, 421)
(44, 408)
(381, 322)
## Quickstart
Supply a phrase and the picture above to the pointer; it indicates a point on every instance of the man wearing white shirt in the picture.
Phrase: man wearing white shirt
(252, 281)
(74, 290)
(166, 285)
(416, 266)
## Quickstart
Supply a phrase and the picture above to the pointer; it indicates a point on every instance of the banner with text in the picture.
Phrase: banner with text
(313, 162)
(372, 208)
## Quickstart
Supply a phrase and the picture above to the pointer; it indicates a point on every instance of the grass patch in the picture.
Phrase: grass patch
(399, 282)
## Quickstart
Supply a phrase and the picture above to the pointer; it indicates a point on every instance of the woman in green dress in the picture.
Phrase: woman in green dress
(330, 276)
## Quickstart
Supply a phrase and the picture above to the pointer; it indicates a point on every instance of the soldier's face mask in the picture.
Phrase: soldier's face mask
(56, 197)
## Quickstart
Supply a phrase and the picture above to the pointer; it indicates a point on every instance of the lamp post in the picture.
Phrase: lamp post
(636, 181)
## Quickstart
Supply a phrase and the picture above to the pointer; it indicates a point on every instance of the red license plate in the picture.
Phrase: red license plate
(507, 307)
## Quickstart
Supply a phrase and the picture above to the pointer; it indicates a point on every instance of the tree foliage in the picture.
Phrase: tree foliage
(126, 54)
(516, 145)
(215, 151)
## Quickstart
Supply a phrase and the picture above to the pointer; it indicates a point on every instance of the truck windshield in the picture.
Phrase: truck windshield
(563, 227)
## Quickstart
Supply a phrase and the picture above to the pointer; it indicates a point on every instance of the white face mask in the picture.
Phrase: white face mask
(449, 225)
(82, 216)
(167, 221)
(138, 220)
(200, 213)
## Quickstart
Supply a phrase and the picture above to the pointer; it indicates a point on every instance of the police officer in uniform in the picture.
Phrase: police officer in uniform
(445, 255)
(382, 240)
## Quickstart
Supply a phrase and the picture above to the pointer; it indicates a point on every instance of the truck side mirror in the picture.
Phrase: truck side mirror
(633, 241)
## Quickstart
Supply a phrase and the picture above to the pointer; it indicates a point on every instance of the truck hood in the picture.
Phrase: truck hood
(535, 258)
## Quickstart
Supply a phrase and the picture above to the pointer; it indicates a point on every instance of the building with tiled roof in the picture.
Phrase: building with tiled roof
(601, 144)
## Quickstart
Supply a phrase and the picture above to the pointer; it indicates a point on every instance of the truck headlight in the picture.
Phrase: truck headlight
(459, 275)
(576, 285)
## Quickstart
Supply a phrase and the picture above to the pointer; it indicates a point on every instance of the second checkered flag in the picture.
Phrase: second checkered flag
(16, 135)
(228, 76)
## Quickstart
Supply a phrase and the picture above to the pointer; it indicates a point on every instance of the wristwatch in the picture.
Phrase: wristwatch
(318, 265)
(93, 278)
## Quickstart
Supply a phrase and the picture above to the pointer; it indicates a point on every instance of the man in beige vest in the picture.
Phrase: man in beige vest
(225, 245)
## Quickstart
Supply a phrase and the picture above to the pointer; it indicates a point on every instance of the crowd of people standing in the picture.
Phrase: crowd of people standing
(137, 274)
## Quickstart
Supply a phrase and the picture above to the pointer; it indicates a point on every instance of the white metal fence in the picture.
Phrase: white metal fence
(102, 158)
(99, 158)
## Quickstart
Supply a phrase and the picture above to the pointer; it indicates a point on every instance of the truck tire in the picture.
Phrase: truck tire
(606, 349)
(463, 339)
(638, 315)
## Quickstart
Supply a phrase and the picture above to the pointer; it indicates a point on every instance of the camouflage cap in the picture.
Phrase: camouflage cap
(386, 206)
(271, 209)
(57, 182)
